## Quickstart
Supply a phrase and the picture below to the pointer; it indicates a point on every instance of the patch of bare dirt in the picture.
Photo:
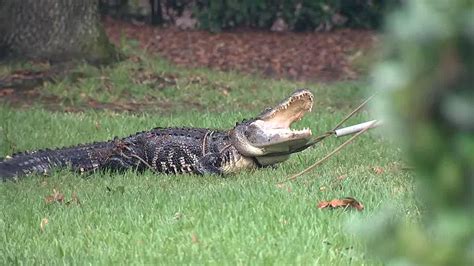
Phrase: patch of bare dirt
(300, 56)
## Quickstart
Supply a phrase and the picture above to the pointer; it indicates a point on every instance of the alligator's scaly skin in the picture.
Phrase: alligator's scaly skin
(164, 150)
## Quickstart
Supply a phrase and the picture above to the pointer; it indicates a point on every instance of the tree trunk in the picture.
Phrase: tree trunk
(54, 30)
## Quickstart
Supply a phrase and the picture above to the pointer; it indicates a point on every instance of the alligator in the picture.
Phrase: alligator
(262, 141)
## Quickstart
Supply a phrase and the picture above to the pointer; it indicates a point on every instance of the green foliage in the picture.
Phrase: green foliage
(427, 81)
(216, 15)
(299, 15)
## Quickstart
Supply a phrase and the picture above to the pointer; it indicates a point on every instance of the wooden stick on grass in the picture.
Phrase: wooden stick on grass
(329, 155)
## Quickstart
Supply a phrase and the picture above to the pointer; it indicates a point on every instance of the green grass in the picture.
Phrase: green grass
(133, 218)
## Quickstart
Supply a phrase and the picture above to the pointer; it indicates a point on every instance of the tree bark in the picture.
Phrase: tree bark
(55, 30)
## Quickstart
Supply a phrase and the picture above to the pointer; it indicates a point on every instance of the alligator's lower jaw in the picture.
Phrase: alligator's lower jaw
(238, 163)
(285, 145)
(285, 136)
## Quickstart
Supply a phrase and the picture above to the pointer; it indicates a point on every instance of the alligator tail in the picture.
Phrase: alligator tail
(81, 158)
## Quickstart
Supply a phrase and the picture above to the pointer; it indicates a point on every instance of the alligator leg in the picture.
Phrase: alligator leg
(208, 164)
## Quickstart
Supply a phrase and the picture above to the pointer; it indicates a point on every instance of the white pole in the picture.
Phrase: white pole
(356, 128)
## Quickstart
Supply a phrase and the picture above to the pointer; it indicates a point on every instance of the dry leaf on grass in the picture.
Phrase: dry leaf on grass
(55, 197)
(344, 203)
(134, 59)
(341, 177)
(6, 92)
(74, 199)
(284, 187)
(59, 197)
(154, 80)
(43, 223)
(194, 238)
(378, 170)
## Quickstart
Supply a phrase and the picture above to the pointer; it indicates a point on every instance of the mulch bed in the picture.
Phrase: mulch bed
(321, 57)
(297, 56)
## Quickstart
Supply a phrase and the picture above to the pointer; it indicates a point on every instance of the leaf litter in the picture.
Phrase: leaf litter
(58, 197)
(346, 202)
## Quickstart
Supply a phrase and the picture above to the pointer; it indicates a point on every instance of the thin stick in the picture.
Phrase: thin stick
(293, 177)
(321, 137)
(204, 141)
(353, 112)
(144, 162)
(333, 131)
(140, 159)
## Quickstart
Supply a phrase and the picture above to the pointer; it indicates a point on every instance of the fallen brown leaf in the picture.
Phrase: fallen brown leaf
(154, 80)
(134, 59)
(194, 238)
(55, 197)
(285, 187)
(378, 170)
(345, 203)
(74, 199)
(342, 177)
(6, 92)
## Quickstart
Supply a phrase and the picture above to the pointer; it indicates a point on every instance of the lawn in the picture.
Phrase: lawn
(137, 218)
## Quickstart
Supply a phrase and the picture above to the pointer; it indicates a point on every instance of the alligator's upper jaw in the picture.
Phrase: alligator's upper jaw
(288, 111)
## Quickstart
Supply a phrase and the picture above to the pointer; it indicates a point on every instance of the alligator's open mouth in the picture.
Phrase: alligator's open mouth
(274, 123)
(270, 132)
